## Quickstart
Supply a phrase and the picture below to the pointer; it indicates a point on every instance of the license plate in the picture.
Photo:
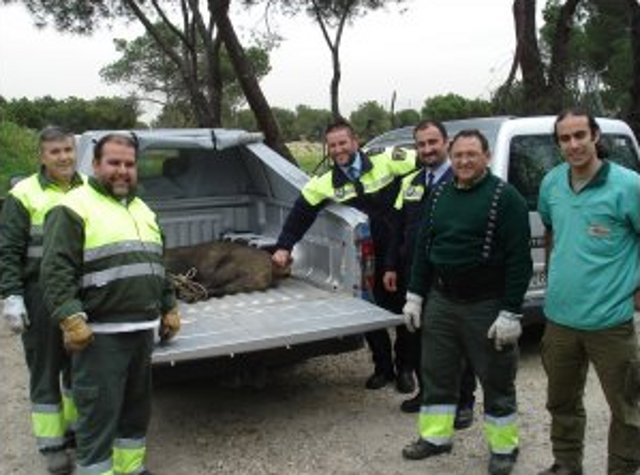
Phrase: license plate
(538, 280)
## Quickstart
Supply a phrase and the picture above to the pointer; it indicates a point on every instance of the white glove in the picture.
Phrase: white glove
(412, 311)
(506, 329)
(15, 314)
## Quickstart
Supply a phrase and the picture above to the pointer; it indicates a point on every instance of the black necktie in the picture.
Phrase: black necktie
(430, 178)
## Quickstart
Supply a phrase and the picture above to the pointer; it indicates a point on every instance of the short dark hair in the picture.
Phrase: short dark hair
(471, 133)
(576, 112)
(129, 140)
(339, 124)
(425, 124)
(53, 133)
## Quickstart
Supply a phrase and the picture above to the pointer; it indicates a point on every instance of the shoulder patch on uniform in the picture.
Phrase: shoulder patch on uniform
(398, 153)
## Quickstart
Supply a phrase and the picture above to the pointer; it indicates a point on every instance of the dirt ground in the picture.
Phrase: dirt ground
(312, 418)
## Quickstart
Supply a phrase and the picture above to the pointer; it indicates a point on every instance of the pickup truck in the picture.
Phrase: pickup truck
(523, 150)
(215, 184)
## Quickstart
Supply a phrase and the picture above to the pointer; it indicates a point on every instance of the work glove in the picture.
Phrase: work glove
(506, 329)
(412, 311)
(169, 324)
(15, 314)
(76, 334)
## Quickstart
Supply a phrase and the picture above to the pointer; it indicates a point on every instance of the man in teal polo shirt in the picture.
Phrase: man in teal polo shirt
(591, 211)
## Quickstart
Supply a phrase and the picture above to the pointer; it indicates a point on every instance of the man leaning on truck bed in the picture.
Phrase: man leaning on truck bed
(369, 184)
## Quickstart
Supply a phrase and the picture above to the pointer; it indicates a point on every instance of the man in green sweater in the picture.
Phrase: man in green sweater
(470, 272)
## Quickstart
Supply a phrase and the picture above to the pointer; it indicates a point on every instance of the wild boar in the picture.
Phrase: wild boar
(221, 268)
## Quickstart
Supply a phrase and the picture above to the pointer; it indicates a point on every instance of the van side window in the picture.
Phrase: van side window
(620, 149)
(530, 158)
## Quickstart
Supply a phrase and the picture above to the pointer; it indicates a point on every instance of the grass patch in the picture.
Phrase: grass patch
(308, 155)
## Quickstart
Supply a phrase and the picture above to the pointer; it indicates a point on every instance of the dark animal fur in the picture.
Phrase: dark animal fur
(225, 267)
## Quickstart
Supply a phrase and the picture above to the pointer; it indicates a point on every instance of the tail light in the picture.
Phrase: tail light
(366, 257)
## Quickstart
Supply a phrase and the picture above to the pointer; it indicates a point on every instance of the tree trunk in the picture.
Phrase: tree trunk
(531, 67)
(250, 86)
(197, 99)
(335, 84)
(633, 115)
(560, 57)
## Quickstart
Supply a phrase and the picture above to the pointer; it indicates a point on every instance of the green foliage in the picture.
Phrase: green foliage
(243, 119)
(370, 119)
(74, 114)
(599, 71)
(287, 122)
(406, 117)
(18, 153)
(312, 122)
(452, 106)
(146, 67)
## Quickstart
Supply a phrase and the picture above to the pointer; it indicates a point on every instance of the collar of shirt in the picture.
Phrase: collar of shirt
(437, 172)
(45, 181)
(356, 165)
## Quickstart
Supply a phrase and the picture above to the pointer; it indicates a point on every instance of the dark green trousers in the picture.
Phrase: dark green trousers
(566, 354)
(451, 332)
(112, 390)
(48, 363)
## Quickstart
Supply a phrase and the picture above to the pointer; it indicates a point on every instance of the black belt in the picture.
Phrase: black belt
(473, 286)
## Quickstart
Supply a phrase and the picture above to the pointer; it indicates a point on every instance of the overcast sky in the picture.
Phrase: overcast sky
(434, 47)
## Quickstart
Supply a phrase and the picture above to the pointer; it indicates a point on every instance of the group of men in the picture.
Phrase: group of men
(452, 244)
(82, 278)
(83, 282)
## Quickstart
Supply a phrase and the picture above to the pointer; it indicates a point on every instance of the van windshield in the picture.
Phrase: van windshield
(532, 156)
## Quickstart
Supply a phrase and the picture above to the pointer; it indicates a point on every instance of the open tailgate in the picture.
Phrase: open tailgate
(295, 312)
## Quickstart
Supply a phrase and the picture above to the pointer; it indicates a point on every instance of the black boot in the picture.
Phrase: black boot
(464, 417)
(502, 464)
(412, 405)
(379, 380)
(404, 381)
(421, 449)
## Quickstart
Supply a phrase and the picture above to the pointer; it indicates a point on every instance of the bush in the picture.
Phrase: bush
(18, 153)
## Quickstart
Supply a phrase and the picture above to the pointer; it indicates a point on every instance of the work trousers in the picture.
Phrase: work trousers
(468, 384)
(379, 341)
(566, 354)
(53, 413)
(452, 332)
(112, 389)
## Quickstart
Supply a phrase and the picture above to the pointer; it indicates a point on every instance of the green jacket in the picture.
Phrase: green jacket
(104, 257)
(21, 230)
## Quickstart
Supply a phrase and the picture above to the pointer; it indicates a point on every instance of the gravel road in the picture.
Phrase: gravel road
(312, 418)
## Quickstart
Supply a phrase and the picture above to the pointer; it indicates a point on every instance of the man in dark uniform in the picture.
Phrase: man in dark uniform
(431, 147)
(369, 184)
(53, 413)
(472, 265)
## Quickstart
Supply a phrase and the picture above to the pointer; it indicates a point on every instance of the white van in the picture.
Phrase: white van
(523, 150)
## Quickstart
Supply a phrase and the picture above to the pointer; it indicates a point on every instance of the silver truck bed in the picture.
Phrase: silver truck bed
(294, 312)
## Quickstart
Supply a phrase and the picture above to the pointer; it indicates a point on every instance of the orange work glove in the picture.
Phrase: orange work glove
(77, 335)
(169, 324)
